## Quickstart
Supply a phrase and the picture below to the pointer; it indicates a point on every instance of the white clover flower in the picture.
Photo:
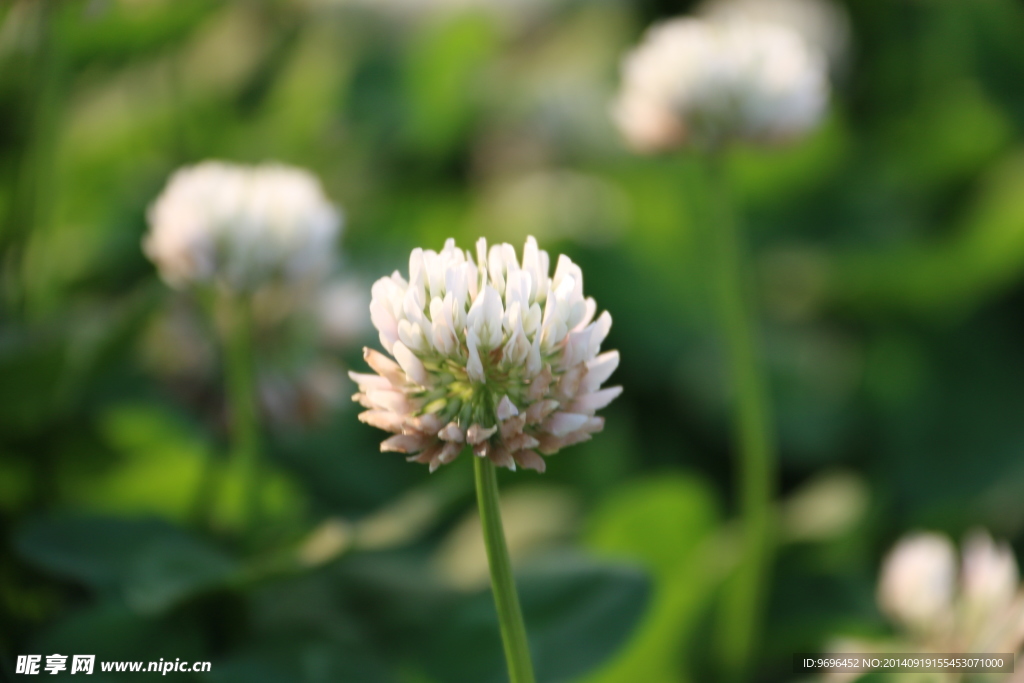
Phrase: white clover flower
(491, 353)
(917, 581)
(703, 82)
(823, 24)
(978, 609)
(241, 226)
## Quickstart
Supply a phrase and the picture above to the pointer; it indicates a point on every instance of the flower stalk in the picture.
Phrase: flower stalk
(241, 392)
(506, 600)
(755, 465)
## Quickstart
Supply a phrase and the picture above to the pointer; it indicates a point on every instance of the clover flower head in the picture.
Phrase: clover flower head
(241, 226)
(491, 353)
(918, 579)
(821, 23)
(976, 607)
(701, 82)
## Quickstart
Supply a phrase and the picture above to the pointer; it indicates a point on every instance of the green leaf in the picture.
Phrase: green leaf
(667, 524)
(149, 564)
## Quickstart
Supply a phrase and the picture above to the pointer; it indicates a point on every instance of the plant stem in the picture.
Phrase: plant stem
(506, 600)
(241, 391)
(744, 599)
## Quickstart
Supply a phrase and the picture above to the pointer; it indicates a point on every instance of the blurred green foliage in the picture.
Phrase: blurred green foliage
(888, 251)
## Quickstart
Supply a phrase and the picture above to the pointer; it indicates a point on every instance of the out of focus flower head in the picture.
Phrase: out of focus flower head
(979, 608)
(242, 227)
(492, 353)
(702, 82)
(823, 24)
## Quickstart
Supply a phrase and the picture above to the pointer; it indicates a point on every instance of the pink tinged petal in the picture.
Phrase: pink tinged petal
(496, 267)
(533, 360)
(436, 308)
(508, 255)
(513, 316)
(416, 274)
(517, 349)
(485, 317)
(540, 410)
(512, 426)
(449, 453)
(569, 382)
(481, 449)
(577, 312)
(590, 310)
(411, 335)
(481, 252)
(576, 347)
(435, 272)
(532, 319)
(384, 366)
(393, 401)
(549, 444)
(412, 365)
(363, 400)
(448, 311)
(539, 384)
(385, 323)
(579, 436)
(474, 368)
(536, 262)
(412, 308)
(561, 424)
(594, 425)
(517, 291)
(553, 333)
(456, 284)
(383, 419)
(590, 403)
(599, 370)
(368, 382)
(443, 334)
(520, 442)
(428, 454)
(529, 460)
(443, 339)
(599, 332)
(502, 458)
(404, 443)
(477, 434)
(429, 423)
(452, 433)
(506, 409)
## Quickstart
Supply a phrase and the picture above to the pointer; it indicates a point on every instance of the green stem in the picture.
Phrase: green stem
(506, 600)
(744, 600)
(241, 391)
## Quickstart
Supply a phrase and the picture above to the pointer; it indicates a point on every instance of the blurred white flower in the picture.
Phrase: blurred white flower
(823, 24)
(491, 353)
(979, 609)
(701, 82)
(916, 584)
(242, 227)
